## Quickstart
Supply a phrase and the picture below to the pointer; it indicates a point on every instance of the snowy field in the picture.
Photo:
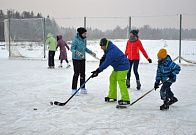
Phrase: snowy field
(30, 50)
(28, 84)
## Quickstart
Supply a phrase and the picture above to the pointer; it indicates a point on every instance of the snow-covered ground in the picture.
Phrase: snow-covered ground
(34, 50)
(28, 84)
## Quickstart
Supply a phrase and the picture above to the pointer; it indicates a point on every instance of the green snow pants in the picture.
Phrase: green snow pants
(120, 77)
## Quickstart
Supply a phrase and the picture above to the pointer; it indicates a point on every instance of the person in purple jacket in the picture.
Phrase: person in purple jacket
(63, 53)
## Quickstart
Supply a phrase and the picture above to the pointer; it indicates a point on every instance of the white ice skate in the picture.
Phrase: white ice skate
(68, 66)
(83, 91)
(73, 91)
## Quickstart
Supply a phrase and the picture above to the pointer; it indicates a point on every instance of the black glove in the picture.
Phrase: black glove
(95, 73)
(149, 60)
(156, 86)
(171, 77)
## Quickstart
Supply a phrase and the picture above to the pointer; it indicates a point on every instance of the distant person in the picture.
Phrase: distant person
(115, 57)
(52, 44)
(134, 45)
(166, 69)
(78, 49)
(63, 53)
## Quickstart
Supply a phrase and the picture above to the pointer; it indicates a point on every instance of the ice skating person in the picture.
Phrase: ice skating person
(166, 72)
(115, 57)
(52, 44)
(63, 53)
(134, 45)
(78, 49)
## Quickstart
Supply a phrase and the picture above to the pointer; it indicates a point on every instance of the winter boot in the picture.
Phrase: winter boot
(172, 100)
(73, 91)
(68, 65)
(60, 66)
(107, 99)
(123, 102)
(128, 83)
(165, 106)
(83, 91)
(138, 84)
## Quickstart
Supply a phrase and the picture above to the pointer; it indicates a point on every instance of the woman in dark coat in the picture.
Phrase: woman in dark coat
(63, 53)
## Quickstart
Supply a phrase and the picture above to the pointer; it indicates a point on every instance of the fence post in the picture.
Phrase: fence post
(9, 39)
(44, 35)
(180, 38)
(85, 22)
(129, 27)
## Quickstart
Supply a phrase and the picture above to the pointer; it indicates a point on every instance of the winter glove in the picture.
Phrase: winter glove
(94, 54)
(156, 86)
(80, 54)
(102, 60)
(95, 73)
(149, 60)
(171, 77)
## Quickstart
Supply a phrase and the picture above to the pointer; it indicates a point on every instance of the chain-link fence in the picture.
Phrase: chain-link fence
(26, 37)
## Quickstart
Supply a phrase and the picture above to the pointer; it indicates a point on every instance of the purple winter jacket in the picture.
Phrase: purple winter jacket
(61, 44)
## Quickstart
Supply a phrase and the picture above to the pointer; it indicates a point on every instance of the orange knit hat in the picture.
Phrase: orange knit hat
(162, 53)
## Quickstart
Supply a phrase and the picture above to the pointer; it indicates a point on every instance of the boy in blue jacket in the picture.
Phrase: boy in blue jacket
(116, 58)
(166, 72)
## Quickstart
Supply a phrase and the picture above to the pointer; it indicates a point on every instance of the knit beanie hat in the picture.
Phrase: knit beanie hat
(103, 42)
(135, 32)
(81, 30)
(162, 54)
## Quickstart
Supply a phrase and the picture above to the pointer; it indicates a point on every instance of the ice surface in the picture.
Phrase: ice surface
(28, 84)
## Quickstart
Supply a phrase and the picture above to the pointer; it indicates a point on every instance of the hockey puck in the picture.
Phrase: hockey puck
(35, 109)
(51, 103)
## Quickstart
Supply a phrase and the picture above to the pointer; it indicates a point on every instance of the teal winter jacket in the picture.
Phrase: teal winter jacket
(79, 46)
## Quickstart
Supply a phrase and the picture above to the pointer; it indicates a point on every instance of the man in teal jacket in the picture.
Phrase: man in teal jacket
(52, 44)
(78, 49)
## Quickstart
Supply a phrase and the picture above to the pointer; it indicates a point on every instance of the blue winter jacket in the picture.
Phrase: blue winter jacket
(167, 68)
(114, 57)
(79, 44)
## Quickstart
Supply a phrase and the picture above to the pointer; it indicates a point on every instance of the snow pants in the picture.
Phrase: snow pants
(135, 64)
(79, 70)
(51, 55)
(120, 77)
(166, 92)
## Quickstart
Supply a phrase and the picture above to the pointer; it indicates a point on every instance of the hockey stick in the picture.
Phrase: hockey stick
(93, 56)
(64, 103)
(125, 106)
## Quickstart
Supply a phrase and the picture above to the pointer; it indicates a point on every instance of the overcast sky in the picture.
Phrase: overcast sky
(104, 8)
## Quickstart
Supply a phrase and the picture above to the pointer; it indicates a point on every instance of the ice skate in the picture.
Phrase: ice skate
(73, 91)
(107, 99)
(172, 101)
(83, 91)
(128, 83)
(138, 84)
(123, 102)
(165, 106)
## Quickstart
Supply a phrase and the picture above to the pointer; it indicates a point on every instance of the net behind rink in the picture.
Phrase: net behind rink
(24, 37)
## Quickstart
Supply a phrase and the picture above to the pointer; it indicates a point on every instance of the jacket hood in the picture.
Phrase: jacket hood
(166, 61)
(49, 35)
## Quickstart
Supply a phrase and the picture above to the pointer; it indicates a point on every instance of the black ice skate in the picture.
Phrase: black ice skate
(123, 102)
(172, 101)
(165, 106)
(128, 83)
(107, 99)
(138, 84)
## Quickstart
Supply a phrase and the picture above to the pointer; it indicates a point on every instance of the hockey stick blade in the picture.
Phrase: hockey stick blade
(58, 103)
(121, 106)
